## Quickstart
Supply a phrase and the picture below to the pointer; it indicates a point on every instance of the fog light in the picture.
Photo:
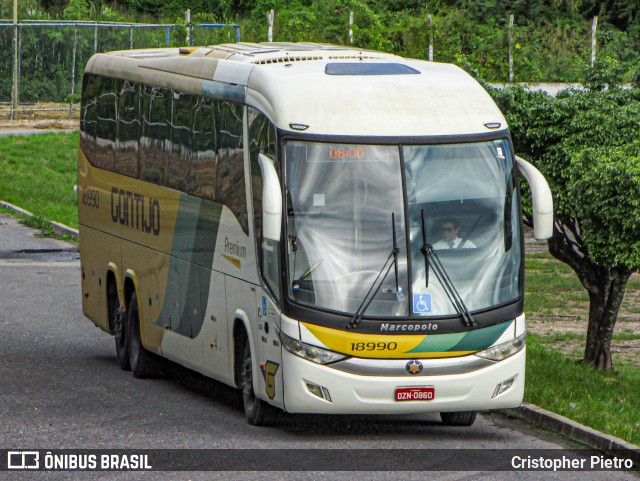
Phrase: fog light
(326, 394)
(503, 386)
(321, 392)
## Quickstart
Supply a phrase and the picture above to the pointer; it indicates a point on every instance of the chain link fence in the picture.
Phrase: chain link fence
(51, 56)
(6, 61)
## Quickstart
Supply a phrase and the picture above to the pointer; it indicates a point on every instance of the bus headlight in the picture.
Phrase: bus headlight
(504, 350)
(307, 351)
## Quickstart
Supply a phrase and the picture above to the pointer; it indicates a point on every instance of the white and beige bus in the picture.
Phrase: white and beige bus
(331, 230)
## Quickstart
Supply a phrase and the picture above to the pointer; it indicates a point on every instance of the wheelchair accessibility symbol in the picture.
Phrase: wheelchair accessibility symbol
(421, 303)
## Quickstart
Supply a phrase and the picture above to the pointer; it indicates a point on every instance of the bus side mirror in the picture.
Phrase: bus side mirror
(541, 200)
(271, 199)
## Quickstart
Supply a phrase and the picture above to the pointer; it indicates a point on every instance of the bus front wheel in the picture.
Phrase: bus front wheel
(461, 418)
(143, 364)
(257, 412)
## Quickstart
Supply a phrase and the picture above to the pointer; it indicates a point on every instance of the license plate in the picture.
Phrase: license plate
(423, 393)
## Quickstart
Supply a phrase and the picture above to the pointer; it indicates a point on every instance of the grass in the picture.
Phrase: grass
(582, 336)
(608, 402)
(554, 290)
(38, 174)
(556, 380)
(550, 284)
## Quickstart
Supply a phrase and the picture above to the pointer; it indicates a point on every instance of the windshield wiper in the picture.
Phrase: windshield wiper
(395, 250)
(508, 226)
(425, 249)
(431, 258)
(392, 260)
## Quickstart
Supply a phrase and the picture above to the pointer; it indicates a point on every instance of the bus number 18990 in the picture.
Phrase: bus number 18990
(374, 346)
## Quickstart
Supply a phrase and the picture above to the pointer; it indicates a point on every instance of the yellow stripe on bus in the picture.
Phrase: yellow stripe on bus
(376, 346)
(233, 260)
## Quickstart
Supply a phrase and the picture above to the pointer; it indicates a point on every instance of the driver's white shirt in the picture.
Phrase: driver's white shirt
(443, 244)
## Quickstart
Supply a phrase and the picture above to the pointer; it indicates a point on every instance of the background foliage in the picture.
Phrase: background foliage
(586, 144)
(552, 37)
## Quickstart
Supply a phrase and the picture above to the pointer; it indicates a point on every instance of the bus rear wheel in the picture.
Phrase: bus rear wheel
(257, 412)
(461, 418)
(143, 363)
(117, 322)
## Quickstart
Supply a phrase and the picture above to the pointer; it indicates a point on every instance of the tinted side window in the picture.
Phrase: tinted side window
(89, 114)
(156, 116)
(204, 150)
(107, 123)
(230, 188)
(181, 134)
(128, 137)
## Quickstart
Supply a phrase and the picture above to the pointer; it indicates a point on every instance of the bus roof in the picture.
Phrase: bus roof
(321, 89)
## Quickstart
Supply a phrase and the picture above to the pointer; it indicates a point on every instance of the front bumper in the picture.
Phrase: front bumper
(359, 394)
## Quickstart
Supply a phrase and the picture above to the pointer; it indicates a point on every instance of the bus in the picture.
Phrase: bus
(327, 229)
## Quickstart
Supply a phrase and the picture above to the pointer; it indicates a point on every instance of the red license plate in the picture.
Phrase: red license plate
(425, 393)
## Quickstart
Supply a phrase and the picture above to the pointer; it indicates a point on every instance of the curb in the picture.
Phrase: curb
(574, 430)
(57, 227)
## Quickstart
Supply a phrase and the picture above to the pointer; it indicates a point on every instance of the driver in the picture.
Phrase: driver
(450, 236)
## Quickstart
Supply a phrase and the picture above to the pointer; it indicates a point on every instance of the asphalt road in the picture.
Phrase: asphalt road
(60, 387)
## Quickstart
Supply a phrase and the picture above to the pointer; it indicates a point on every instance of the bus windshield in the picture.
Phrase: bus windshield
(346, 203)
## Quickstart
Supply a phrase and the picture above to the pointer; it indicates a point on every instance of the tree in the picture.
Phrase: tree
(585, 143)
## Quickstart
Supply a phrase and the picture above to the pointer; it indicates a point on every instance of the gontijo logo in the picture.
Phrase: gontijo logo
(128, 208)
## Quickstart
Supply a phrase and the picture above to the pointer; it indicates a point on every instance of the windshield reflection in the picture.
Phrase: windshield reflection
(466, 192)
(340, 199)
(340, 202)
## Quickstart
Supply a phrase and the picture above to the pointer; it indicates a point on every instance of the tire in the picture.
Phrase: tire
(461, 418)
(117, 324)
(257, 412)
(143, 362)
(122, 350)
